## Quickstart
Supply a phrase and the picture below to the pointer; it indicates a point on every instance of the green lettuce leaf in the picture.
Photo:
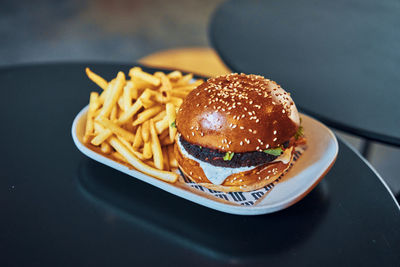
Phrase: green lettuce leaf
(274, 151)
(228, 156)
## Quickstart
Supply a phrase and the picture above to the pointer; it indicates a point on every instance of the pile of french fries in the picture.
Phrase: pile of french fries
(133, 120)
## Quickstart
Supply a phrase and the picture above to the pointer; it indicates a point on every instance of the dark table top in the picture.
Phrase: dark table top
(339, 59)
(60, 208)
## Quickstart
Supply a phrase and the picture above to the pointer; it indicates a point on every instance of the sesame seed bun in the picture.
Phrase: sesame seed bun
(238, 113)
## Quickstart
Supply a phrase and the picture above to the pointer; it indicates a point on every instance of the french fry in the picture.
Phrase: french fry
(146, 115)
(130, 112)
(146, 131)
(175, 75)
(141, 85)
(170, 108)
(166, 159)
(126, 143)
(113, 114)
(138, 141)
(105, 148)
(126, 96)
(176, 101)
(161, 125)
(119, 157)
(156, 147)
(137, 72)
(101, 137)
(147, 151)
(179, 93)
(160, 116)
(189, 86)
(93, 106)
(120, 102)
(139, 155)
(134, 90)
(184, 80)
(116, 129)
(139, 165)
(147, 93)
(113, 96)
(98, 128)
(163, 135)
(173, 163)
(97, 79)
(150, 163)
(166, 141)
(164, 96)
(97, 112)
(165, 82)
(130, 148)
(106, 91)
(147, 103)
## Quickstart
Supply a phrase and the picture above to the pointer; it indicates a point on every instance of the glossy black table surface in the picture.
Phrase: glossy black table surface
(339, 59)
(60, 208)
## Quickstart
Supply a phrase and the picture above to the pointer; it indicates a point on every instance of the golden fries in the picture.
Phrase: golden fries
(113, 95)
(146, 115)
(93, 105)
(138, 138)
(171, 119)
(133, 119)
(97, 79)
(156, 147)
(137, 72)
(116, 129)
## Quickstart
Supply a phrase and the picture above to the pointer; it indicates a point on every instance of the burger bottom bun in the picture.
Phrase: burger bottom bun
(245, 181)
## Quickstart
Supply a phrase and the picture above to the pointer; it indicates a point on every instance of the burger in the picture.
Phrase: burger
(236, 132)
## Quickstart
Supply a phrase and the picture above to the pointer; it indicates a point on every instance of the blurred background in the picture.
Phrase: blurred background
(100, 30)
(126, 31)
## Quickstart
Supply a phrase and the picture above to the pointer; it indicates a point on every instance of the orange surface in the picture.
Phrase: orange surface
(200, 60)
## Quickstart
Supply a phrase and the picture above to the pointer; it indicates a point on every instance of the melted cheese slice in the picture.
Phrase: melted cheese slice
(217, 174)
(285, 157)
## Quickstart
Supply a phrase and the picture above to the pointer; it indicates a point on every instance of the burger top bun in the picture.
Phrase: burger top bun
(238, 113)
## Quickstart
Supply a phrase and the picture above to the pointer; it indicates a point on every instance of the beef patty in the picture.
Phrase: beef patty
(216, 158)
